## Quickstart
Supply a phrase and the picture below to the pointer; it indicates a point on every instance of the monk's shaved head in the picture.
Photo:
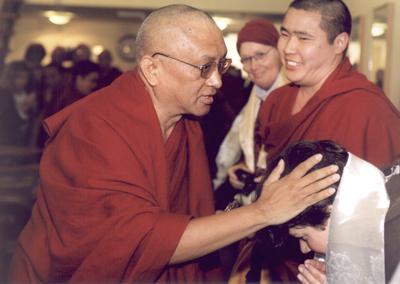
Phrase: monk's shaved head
(162, 26)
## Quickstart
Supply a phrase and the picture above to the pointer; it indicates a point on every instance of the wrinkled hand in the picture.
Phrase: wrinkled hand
(282, 199)
(312, 272)
(233, 179)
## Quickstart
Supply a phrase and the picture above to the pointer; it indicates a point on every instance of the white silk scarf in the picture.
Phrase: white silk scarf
(355, 251)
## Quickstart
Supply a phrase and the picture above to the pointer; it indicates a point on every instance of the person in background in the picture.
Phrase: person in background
(326, 97)
(107, 72)
(80, 82)
(34, 55)
(228, 102)
(125, 192)
(51, 94)
(58, 57)
(256, 45)
(52, 88)
(33, 58)
(81, 53)
(18, 106)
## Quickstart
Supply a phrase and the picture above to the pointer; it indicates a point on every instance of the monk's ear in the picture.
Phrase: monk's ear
(341, 42)
(150, 69)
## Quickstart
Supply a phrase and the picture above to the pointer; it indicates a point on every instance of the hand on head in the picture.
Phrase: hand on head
(282, 199)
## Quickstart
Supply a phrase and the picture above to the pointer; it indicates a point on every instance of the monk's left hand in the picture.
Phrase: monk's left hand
(312, 272)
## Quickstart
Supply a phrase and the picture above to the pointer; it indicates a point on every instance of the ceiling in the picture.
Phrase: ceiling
(249, 6)
(115, 10)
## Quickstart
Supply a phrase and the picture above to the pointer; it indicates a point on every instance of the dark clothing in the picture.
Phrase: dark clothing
(14, 131)
(107, 76)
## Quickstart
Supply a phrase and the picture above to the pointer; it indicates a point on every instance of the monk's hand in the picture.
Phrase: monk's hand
(233, 179)
(312, 272)
(284, 198)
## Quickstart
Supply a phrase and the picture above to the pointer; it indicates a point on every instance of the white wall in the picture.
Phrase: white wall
(365, 8)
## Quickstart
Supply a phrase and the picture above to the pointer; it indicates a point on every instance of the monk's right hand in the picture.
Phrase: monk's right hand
(284, 198)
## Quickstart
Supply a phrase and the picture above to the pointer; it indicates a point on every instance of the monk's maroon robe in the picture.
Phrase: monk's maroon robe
(114, 198)
(347, 109)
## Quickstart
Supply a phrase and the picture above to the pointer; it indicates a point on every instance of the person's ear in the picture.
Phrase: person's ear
(341, 42)
(150, 69)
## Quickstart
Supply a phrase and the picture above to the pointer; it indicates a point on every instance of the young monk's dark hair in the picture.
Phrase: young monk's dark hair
(274, 242)
(315, 215)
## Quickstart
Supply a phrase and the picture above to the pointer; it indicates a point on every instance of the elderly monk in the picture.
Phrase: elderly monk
(327, 98)
(125, 194)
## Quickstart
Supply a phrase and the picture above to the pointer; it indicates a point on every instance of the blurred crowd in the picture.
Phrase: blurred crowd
(30, 90)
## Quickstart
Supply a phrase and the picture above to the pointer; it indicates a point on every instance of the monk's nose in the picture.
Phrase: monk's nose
(215, 79)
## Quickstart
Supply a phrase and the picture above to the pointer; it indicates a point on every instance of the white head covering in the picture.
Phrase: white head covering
(355, 251)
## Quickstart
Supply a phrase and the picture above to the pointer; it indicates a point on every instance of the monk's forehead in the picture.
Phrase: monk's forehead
(181, 19)
(188, 23)
(189, 27)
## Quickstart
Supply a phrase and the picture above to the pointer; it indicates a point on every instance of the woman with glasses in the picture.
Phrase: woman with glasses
(239, 155)
(256, 45)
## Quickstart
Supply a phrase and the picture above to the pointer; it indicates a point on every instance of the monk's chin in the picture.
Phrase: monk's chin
(202, 111)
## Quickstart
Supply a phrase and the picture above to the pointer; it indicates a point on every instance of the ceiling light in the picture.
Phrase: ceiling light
(59, 17)
(378, 29)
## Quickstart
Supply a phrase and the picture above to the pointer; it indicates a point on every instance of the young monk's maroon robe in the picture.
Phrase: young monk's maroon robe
(347, 109)
(114, 198)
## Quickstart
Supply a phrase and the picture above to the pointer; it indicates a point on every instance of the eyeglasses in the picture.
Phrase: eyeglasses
(257, 57)
(207, 69)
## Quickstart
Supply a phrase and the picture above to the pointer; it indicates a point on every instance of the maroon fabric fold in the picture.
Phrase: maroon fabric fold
(347, 109)
(114, 198)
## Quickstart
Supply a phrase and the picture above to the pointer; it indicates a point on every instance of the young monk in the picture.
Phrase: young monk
(327, 98)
